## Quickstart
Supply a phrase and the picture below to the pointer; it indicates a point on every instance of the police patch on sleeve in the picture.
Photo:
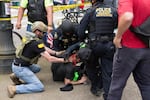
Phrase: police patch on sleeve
(41, 45)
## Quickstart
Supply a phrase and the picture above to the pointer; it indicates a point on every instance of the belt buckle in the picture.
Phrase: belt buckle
(92, 39)
(104, 38)
(17, 64)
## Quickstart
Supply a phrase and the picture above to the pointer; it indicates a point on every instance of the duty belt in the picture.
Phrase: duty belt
(21, 65)
(104, 38)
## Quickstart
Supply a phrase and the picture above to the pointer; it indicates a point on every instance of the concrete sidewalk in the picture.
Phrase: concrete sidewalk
(52, 92)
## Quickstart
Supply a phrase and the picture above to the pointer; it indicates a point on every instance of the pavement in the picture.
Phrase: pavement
(52, 92)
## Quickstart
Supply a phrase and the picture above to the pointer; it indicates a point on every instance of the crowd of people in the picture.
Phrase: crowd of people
(89, 50)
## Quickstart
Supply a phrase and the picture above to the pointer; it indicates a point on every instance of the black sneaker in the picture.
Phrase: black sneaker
(95, 92)
(100, 91)
(68, 87)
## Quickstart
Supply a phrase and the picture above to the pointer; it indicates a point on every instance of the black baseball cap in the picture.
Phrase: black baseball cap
(84, 54)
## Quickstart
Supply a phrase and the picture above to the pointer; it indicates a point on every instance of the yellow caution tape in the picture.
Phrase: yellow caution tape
(5, 0)
(17, 16)
(5, 19)
(64, 7)
(15, 7)
(61, 7)
(58, 7)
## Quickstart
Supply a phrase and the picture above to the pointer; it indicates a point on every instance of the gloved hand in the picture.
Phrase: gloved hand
(66, 55)
(67, 60)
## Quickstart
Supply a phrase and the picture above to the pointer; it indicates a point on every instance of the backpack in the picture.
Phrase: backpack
(143, 31)
(19, 50)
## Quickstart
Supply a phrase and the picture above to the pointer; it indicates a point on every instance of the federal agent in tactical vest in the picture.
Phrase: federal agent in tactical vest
(100, 21)
(24, 65)
(65, 35)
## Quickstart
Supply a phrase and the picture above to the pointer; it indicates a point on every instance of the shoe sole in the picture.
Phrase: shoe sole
(9, 94)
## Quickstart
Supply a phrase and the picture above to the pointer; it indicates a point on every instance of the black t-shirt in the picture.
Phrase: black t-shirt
(65, 70)
(31, 50)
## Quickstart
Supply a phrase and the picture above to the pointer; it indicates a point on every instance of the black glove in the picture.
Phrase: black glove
(66, 55)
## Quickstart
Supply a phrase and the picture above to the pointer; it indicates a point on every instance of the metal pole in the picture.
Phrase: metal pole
(7, 48)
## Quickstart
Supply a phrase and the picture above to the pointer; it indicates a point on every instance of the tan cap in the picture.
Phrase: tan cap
(39, 25)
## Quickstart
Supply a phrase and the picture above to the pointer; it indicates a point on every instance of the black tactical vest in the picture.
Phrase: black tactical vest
(36, 11)
(101, 20)
(68, 41)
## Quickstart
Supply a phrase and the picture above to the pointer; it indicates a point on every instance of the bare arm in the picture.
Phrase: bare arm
(49, 10)
(124, 23)
(53, 52)
(20, 16)
(50, 51)
(50, 58)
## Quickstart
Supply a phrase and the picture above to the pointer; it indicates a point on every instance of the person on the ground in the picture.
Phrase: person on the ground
(132, 54)
(24, 65)
(64, 37)
(67, 72)
(70, 73)
(100, 20)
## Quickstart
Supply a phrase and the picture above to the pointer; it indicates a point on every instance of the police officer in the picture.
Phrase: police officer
(65, 35)
(100, 21)
(24, 65)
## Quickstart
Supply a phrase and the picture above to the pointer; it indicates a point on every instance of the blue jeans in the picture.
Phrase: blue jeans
(32, 83)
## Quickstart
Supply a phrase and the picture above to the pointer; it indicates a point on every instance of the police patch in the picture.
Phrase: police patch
(40, 45)
(103, 12)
